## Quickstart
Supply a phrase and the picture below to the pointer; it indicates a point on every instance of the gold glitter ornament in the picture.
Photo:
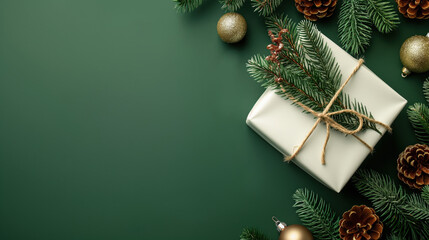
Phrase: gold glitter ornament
(414, 55)
(231, 27)
(292, 232)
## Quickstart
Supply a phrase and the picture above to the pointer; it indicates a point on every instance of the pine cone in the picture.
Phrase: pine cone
(413, 166)
(316, 9)
(360, 223)
(414, 8)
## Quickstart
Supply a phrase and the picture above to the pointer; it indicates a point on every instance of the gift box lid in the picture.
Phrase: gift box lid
(284, 125)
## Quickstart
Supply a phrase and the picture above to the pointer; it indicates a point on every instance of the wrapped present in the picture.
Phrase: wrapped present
(285, 125)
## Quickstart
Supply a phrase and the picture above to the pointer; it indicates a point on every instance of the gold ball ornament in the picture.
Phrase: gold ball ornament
(292, 232)
(414, 55)
(231, 27)
(296, 232)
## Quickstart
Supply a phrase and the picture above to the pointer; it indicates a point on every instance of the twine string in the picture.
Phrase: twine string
(326, 117)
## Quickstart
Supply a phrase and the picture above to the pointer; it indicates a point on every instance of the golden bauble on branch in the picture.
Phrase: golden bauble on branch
(295, 232)
(231, 27)
(414, 55)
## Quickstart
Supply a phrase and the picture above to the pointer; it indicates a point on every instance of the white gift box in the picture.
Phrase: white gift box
(285, 126)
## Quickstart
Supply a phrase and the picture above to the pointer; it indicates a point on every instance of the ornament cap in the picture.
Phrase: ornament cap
(405, 72)
(279, 225)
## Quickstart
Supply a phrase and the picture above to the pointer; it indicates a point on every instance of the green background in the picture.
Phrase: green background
(126, 120)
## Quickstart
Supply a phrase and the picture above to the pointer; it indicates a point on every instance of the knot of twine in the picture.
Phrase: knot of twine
(326, 117)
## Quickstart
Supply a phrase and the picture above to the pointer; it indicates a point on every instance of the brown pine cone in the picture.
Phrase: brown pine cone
(360, 223)
(414, 8)
(316, 9)
(413, 166)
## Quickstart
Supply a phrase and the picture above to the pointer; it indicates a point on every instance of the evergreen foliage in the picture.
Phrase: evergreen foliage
(265, 7)
(426, 89)
(383, 15)
(405, 215)
(187, 5)
(316, 215)
(231, 5)
(394, 237)
(354, 27)
(425, 194)
(308, 71)
(357, 18)
(418, 114)
(252, 234)
(417, 207)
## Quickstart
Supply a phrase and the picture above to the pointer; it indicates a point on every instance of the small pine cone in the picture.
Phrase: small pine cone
(413, 166)
(316, 9)
(360, 223)
(414, 8)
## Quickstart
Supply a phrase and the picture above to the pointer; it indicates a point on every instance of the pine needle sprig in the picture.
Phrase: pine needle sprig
(357, 18)
(391, 202)
(252, 234)
(231, 5)
(354, 26)
(187, 5)
(426, 89)
(383, 15)
(394, 237)
(316, 215)
(418, 114)
(265, 7)
(417, 207)
(425, 194)
(305, 70)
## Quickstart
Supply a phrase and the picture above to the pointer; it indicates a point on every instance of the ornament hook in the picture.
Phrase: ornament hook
(280, 225)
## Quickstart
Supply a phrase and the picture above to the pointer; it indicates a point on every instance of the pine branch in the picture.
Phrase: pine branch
(426, 89)
(390, 201)
(383, 15)
(417, 207)
(394, 237)
(326, 74)
(425, 194)
(265, 7)
(304, 69)
(231, 5)
(252, 234)
(354, 26)
(187, 5)
(316, 215)
(418, 114)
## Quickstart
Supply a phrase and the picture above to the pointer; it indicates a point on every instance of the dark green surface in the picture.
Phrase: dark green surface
(126, 120)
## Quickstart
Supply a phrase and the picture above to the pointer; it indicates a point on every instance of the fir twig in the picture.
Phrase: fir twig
(187, 5)
(391, 202)
(426, 89)
(425, 194)
(231, 5)
(252, 234)
(394, 237)
(316, 215)
(303, 68)
(266, 7)
(383, 15)
(418, 114)
(354, 26)
(417, 207)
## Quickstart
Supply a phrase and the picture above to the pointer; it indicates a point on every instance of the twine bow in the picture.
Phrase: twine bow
(326, 117)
